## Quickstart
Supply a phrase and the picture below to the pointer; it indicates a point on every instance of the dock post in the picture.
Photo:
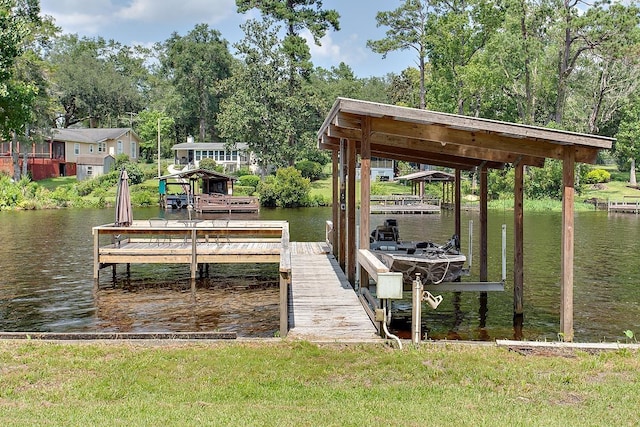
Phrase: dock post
(416, 312)
(194, 257)
(96, 254)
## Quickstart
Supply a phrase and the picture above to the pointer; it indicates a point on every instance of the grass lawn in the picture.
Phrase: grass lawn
(53, 183)
(275, 383)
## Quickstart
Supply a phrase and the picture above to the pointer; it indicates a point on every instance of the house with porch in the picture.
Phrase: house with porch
(65, 150)
(232, 157)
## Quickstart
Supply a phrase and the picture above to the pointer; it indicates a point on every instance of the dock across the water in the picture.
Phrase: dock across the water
(404, 204)
(316, 300)
(629, 204)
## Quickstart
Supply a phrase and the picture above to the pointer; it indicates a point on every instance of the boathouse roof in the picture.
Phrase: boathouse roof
(450, 140)
(199, 174)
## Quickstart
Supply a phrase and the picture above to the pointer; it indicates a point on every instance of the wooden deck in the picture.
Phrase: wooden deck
(316, 300)
(403, 204)
(220, 203)
(629, 204)
(323, 305)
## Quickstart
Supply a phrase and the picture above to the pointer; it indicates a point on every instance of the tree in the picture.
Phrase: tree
(194, 65)
(408, 30)
(22, 82)
(297, 15)
(146, 127)
(255, 109)
(603, 27)
(92, 81)
(627, 146)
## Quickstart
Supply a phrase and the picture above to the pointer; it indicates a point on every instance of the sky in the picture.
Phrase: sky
(146, 22)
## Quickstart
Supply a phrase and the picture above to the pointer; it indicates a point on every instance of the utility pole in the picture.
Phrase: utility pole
(159, 168)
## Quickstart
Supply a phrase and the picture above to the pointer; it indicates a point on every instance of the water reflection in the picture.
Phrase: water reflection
(46, 282)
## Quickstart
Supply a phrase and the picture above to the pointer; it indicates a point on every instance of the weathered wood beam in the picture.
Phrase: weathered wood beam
(365, 193)
(351, 212)
(427, 148)
(566, 285)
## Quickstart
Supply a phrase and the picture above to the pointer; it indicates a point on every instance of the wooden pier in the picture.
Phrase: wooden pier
(629, 204)
(404, 204)
(323, 305)
(316, 300)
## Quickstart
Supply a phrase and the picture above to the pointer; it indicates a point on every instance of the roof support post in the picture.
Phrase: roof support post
(335, 206)
(518, 245)
(342, 226)
(351, 211)
(566, 287)
(365, 193)
(457, 205)
(484, 246)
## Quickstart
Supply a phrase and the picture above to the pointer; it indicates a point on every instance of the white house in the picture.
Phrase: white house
(232, 158)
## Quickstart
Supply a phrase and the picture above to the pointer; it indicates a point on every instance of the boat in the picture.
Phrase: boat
(435, 263)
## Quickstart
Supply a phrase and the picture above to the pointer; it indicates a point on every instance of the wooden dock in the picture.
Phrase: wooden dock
(316, 300)
(323, 305)
(629, 204)
(404, 204)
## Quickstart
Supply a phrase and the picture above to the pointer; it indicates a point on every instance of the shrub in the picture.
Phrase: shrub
(287, 189)
(249, 181)
(211, 165)
(309, 169)
(597, 176)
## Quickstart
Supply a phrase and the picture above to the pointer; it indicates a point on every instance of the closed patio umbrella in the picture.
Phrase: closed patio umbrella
(124, 214)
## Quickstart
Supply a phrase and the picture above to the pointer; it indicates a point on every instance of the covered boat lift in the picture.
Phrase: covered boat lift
(366, 129)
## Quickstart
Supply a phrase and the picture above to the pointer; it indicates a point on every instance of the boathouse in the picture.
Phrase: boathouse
(356, 131)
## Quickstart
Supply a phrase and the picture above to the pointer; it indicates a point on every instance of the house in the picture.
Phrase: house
(58, 155)
(68, 144)
(232, 158)
(91, 165)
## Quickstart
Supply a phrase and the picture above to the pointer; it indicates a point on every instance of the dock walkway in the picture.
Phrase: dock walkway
(323, 305)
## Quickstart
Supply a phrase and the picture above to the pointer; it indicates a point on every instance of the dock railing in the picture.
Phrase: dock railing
(629, 204)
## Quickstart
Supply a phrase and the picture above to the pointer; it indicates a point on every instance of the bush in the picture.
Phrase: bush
(597, 176)
(249, 181)
(309, 169)
(211, 165)
(288, 189)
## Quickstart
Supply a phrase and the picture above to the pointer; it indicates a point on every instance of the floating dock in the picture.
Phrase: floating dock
(629, 204)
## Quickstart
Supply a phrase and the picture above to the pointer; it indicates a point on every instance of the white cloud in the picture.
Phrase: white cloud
(171, 11)
(96, 16)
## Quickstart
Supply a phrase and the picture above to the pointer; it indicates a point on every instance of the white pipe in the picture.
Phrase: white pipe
(416, 315)
(387, 333)
(470, 243)
(504, 252)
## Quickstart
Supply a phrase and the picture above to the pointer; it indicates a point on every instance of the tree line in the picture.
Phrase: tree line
(554, 63)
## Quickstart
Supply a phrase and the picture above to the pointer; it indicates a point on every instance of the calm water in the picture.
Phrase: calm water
(46, 279)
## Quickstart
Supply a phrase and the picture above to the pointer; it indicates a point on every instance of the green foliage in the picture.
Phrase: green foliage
(194, 65)
(144, 197)
(121, 160)
(10, 194)
(287, 189)
(597, 176)
(309, 169)
(211, 165)
(243, 171)
(96, 79)
(249, 180)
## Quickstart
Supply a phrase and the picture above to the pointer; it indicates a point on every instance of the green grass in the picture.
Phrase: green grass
(301, 384)
(53, 183)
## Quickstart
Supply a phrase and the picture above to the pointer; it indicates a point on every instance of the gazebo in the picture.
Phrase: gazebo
(367, 129)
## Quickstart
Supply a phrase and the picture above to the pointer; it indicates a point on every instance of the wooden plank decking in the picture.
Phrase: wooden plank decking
(323, 305)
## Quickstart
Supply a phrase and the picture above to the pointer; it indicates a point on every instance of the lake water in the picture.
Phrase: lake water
(46, 282)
